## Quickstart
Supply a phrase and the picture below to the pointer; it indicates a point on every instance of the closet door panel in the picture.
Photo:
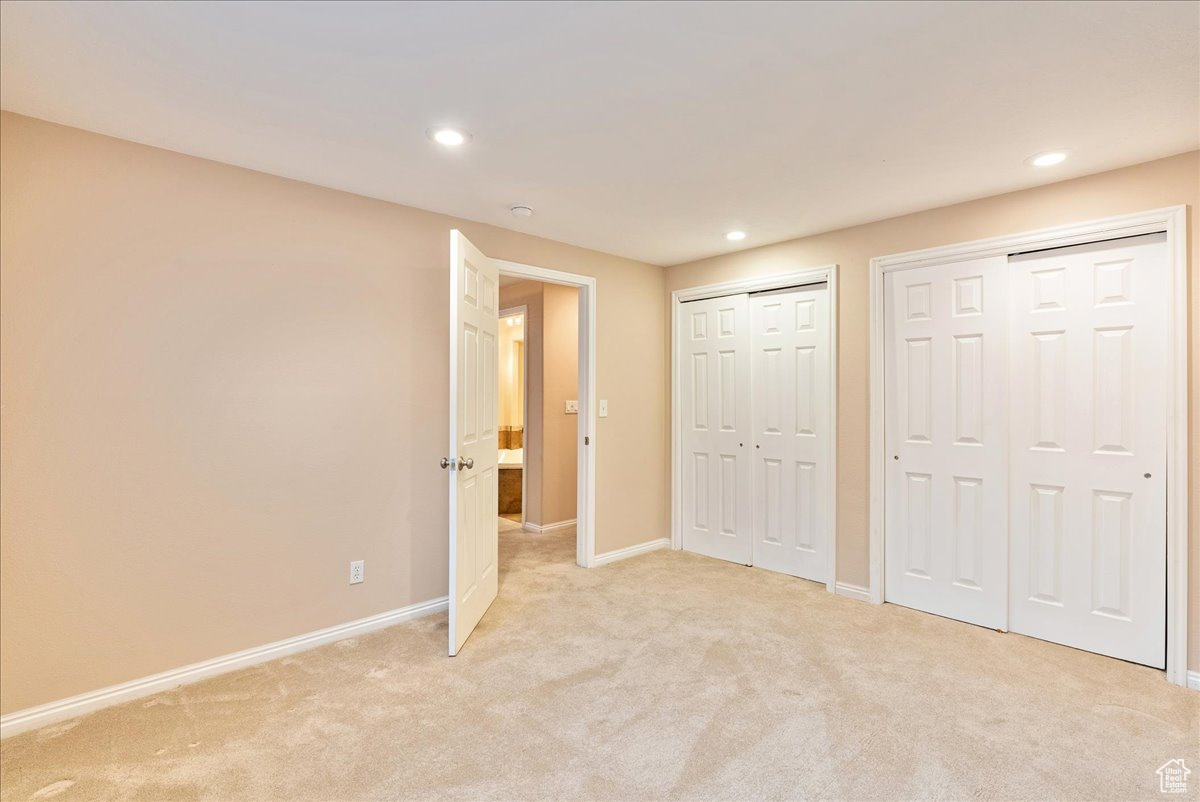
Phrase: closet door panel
(793, 438)
(714, 359)
(1088, 453)
(946, 494)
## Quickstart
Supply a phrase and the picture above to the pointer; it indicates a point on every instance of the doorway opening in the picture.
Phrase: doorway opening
(473, 461)
(538, 395)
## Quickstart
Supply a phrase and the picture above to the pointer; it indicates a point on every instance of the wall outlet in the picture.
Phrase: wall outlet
(356, 572)
(603, 408)
(572, 407)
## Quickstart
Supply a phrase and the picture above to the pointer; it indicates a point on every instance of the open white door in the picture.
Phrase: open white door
(474, 323)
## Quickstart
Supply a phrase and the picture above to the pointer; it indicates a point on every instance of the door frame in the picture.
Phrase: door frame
(585, 443)
(1172, 221)
(523, 311)
(775, 281)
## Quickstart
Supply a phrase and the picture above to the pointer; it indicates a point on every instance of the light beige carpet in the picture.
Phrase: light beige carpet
(666, 676)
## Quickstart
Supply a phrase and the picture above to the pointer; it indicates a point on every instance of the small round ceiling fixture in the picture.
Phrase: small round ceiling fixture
(735, 236)
(1049, 158)
(521, 210)
(450, 137)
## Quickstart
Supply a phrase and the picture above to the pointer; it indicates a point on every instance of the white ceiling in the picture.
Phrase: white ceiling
(641, 129)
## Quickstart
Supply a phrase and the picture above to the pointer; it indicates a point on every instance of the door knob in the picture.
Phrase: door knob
(466, 463)
(445, 463)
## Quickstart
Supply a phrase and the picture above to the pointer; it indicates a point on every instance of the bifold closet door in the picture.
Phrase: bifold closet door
(1089, 360)
(714, 366)
(946, 497)
(792, 433)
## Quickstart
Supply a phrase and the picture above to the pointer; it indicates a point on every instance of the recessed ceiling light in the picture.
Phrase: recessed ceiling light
(1048, 159)
(734, 236)
(450, 137)
(521, 210)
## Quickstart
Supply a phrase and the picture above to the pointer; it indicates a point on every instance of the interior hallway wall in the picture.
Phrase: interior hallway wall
(220, 387)
(560, 430)
(1165, 182)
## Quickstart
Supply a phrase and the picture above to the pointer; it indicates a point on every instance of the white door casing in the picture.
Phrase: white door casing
(474, 410)
(946, 440)
(792, 432)
(714, 353)
(1088, 456)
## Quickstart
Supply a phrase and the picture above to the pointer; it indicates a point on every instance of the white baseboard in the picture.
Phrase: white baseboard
(1193, 680)
(539, 529)
(853, 591)
(51, 712)
(631, 551)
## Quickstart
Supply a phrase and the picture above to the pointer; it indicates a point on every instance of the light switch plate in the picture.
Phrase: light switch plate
(572, 407)
(603, 408)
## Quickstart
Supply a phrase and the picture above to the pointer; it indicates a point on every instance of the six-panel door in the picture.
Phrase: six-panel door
(714, 363)
(474, 547)
(946, 436)
(793, 496)
(1088, 504)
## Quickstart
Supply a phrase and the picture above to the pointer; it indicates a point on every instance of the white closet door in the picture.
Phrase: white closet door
(714, 354)
(792, 437)
(946, 499)
(1089, 447)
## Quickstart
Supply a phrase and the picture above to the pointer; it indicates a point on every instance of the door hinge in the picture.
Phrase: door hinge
(587, 441)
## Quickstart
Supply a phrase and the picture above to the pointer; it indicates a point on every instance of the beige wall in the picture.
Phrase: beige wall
(219, 387)
(1166, 182)
(560, 357)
